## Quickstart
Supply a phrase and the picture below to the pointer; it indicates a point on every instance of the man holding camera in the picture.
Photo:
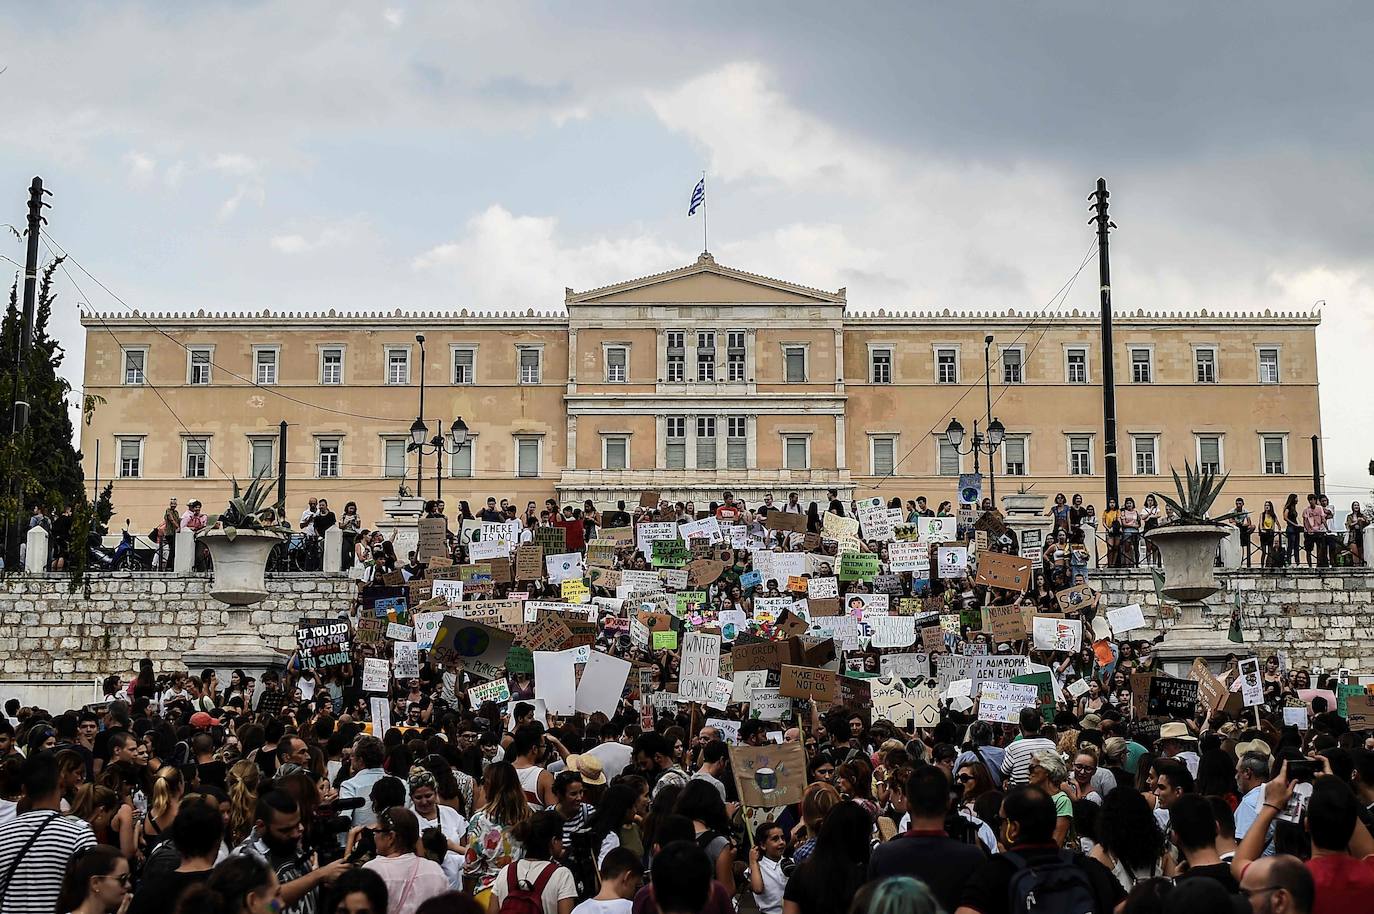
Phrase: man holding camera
(276, 840)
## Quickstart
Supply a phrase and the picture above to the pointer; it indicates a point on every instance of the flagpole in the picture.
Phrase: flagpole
(705, 205)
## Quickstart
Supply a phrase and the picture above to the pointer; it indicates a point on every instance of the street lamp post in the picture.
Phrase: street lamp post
(420, 421)
(979, 443)
(439, 445)
(987, 392)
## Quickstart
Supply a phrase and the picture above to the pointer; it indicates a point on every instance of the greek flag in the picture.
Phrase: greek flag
(698, 197)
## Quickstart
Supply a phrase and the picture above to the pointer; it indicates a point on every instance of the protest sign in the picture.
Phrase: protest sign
(555, 680)
(394, 609)
(700, 666)
(768, 777)
(1359, 711)
(1074, 599)
(951, 562)
(322, 644)
(1007, 572)
(601, 552)
(433, 535)
(369, 630)
(376, 674)
(603, 680)
(767, 704)
(688, 601)
(484, 550)
(551, 539)
(762, 655)
(670, 554)
(744, 682)
(822, 588)
(1175, 699)
(728, 729)
(648, 499)
(647, 533)
(520, 659)
(1343, 692)
(1045, 688)
(381, 715)
(497, 691)
(891, 631)
(1295, 717)
(480, 648)
(780, 520)
(708, 528)
(903, 705)
(937, 529)
(704, 571)
(1001, 702)
(1004, 623)
(395, 631)
(1212, 693)
(563, 566)
(574, 590)
(915, 665)
(858, 566)
(836, 526)
(805, 682)
(1252, 688)
(1126, 618)
(1051, 634)
(664, 641)
(909, 556)
(405, 660)
(529, 561)
(932, 638)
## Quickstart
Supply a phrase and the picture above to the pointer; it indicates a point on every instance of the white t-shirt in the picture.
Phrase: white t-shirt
(560, 884)
(774, 881)
(614, 757)
(592, 906)
(454, 827)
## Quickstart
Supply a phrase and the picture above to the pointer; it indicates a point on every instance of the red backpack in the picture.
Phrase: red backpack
(523, 898)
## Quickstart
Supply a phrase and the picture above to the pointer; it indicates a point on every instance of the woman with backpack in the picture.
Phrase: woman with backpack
(701, 802)
(491, 840)
(535, 884)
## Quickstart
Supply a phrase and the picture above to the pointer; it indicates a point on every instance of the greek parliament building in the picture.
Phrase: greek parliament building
(689, 382)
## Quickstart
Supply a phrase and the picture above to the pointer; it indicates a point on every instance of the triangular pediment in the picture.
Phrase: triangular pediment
(705, 282)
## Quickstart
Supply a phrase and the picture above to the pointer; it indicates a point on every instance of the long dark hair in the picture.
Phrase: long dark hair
(614, 808)
(229, 884)
(701, 802)
(86, 865)
(1126, 829)
(840, 858)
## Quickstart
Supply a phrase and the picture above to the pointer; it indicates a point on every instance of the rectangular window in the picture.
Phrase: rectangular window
(130, 458)
(398, 366)
(949, 458)
(795, 364)
(328, 463)
(1077, 372)
(460, 465)
(465, 365)
(1205, 361)
(880, 366)
(1014, 455)
(617, 453)
(135, 361)
(1273, 447)
(706, 442)
(1209, 453)
(1011, 366)
(529, 364)
(794, 453)
(527, 456)
(1269, 366)
(734, 355)
(331, 366)
(1146, 455)
(394, 457)
(262, 455)
(946, 366)
(884, 455)
(197, 457)
(677, 356)
(736, 443)
(1080, 455)
(617, 364)
(265, 366)
(706, 355)
(675, 445)
(200, 366)
(1141, 370)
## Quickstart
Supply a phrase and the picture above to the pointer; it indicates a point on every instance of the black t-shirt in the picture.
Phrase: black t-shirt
(820, 891)
(1221, 872)
(160, 894)
(988, 888)
(324, 521)
(934, 858)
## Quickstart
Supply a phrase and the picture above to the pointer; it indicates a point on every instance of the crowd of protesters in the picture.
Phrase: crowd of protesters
(183, 793)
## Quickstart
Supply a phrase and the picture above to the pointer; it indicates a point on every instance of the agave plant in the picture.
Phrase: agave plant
(1196, 499)
(248, 510)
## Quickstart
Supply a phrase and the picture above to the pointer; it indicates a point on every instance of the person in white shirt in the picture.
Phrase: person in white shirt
(765, 874)
(308, 517)
(424, 798)
(410, 880)
(622, 873)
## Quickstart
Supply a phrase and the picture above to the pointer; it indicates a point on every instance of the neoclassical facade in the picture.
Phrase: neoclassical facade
(690, 382)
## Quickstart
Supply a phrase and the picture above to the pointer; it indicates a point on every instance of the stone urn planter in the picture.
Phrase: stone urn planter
(1024, 503)
(1188, 555)
(240, 563)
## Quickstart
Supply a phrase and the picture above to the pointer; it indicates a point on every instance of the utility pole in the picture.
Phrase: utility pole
(1104, 275)
(420, 417)
(281, 467)
(987, 420)
(1317, 466)
(19, 407)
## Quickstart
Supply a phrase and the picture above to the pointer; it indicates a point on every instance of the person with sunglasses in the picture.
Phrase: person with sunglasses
(96, 882)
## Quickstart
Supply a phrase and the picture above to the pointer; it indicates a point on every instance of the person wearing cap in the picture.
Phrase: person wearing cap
(203, 720)
(1177, 743)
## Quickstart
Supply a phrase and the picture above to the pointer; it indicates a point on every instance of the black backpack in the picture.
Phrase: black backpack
(580, 859)
(1059, 886)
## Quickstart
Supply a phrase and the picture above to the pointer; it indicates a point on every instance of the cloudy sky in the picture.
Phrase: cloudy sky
(318, 154)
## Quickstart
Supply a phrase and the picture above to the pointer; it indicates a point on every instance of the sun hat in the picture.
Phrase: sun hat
(589, 766)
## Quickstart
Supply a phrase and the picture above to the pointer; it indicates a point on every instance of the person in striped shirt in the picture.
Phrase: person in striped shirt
(36, 846)
(1017, 761)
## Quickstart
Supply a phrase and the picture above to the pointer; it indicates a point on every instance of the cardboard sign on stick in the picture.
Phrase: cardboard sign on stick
(805, 682)
(1007, 572)
(771, 776)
